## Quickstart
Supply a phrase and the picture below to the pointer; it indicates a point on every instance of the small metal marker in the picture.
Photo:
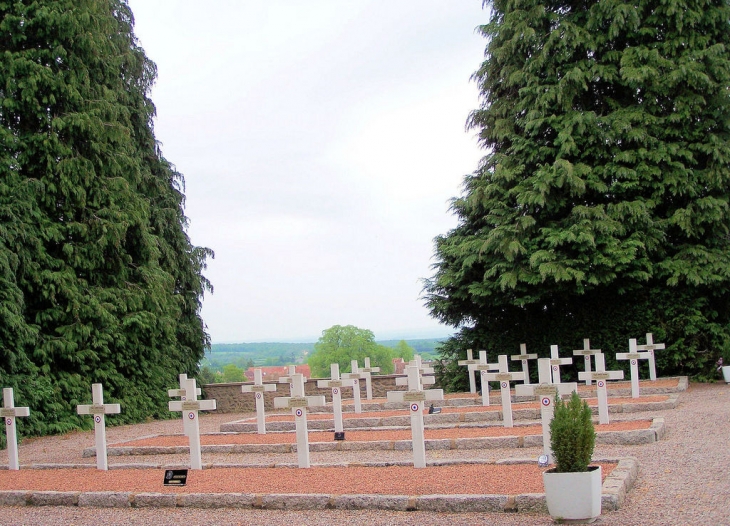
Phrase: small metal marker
(543, 461)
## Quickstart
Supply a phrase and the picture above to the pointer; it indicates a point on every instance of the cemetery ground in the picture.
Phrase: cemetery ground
(682, 477)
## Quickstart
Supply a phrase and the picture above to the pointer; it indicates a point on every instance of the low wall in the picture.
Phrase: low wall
(230, 399)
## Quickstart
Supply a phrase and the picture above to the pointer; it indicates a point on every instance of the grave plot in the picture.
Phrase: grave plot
(630, 432)
(446, 487)
(449, 415)
(676, 384)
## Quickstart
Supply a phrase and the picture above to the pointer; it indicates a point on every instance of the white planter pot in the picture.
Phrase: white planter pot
(726, 373)
(574, 497)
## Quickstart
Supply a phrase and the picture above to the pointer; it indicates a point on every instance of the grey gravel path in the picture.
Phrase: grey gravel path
(683, 479)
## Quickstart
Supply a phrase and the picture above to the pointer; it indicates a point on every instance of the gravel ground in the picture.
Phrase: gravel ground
(682, 478)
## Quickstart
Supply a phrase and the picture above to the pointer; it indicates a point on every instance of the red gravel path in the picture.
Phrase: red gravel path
(393, 480)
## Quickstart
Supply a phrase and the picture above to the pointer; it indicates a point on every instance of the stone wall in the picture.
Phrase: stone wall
(230, 399)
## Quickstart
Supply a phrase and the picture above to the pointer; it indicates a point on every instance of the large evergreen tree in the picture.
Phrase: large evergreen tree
(98, 279)
(601, 207)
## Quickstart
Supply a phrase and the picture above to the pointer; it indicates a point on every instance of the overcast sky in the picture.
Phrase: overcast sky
(321, 142)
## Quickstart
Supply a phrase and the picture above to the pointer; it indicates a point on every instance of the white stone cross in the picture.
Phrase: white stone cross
(288, 379)
(545, 391)
(367, 370)
(504, 377)
(189, 408)
(416, 396)
(484, 368)
(357, 376)
(180, 393)
(634, 356)
(523, 357)
(556, 361)
(419, 363)
(9, 413)
(259, 387)
(600, 376)
(298, 404)
(336, 384)
(586, 352)
(468, 363)
(650, 347)
(98, 408)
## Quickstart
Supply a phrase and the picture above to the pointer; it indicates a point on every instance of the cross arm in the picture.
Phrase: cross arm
(100, 409)
(607, 375)
(258, 388)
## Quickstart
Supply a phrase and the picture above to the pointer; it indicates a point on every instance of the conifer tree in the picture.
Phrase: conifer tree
(600, 209)
(99, 281)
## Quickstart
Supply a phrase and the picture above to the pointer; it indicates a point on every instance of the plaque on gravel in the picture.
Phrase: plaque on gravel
(176, 477)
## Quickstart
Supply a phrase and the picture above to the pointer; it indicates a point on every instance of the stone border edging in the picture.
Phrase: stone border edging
(614, 490)
(629, 437)
(250, 426)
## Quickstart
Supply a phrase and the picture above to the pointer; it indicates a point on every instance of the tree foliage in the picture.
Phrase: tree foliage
(601, 207)
(341, 345)
(403, 350)
(98, 279)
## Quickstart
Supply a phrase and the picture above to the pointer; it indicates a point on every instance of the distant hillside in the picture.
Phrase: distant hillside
(246, 355)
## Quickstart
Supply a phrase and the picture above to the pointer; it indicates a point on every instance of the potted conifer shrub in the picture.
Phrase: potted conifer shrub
(572, 487)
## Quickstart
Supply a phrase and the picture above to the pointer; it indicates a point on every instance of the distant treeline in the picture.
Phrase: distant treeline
(246, 355)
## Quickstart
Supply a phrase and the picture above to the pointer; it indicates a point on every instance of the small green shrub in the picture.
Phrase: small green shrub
(572, 435)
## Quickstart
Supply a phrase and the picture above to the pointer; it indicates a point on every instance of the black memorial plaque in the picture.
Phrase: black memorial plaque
(176, 477)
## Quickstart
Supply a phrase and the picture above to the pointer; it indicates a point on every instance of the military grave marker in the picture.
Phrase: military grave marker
(470, 361)
(259, 388)
(633, 356)
(483, 369)
(416, 396)
(524, 357)
(298, 403)
(336, 384)
(601, 376)
(9, 413)
(504, 377)
(556, 361)
(98, 408)
(191, 425)
(650, 347)
(586, 352)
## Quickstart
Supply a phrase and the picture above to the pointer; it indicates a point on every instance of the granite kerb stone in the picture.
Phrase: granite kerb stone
(296, 501)
(14, 498)
(530, 503)
(54, 498)
(216, 500)
(105, 499)
(461, 503)
(154, 500)
(364, 502)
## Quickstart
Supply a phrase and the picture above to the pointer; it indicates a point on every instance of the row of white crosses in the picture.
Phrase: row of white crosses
(481, 366)
(98, 408)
